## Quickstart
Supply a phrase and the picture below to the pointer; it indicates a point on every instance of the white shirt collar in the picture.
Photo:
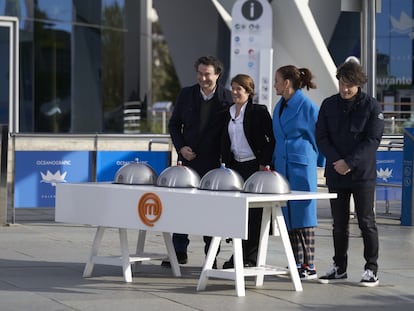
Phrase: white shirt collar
(210, 96)
(233, 112)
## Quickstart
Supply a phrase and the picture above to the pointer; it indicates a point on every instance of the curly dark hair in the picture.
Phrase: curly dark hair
(351, 72)
(210, 60)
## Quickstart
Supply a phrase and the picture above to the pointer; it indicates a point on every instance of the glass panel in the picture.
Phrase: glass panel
(10, 7)
(23, 10)
(111, 3)
(26, 76)
(56, 10)
(395, 63)
(394, 68)
(395, 40)
(4, 74)
(79, 63)
(113, 66)
(52, 67)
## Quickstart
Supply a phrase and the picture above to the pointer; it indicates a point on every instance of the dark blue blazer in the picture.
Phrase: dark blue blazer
(184, 127)
(350, 130)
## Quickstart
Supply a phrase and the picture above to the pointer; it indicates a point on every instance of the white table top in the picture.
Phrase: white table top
(249, 197)
(192, 211)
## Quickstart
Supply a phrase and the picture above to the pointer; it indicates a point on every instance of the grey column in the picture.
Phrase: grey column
(368, 44)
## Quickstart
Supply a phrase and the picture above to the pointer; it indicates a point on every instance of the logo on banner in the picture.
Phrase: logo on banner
(53, 179)
(403, 25)
(149, 208)
(384, 174)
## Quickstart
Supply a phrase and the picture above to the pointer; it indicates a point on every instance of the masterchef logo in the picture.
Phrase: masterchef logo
(149, 208)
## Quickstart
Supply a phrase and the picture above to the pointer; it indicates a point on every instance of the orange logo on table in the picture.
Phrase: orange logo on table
(149, 208)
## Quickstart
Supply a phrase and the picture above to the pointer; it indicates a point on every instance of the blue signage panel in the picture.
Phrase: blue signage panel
(407, 194)
(108, 162)
(389, 172)
(38, 172)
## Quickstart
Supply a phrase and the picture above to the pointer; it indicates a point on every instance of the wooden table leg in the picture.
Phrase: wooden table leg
(126, 264)
(87, 272)
(211, 256)
(142, 234)
(288, 248)
(239, 267)
(236, 274)
(263, 244)
(171, 253)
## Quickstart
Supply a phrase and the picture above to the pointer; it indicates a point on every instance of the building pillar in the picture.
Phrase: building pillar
(368, 44)
(368, 10)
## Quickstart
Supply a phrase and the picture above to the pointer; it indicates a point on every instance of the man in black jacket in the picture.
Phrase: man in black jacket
(348, 132)
(195, 127)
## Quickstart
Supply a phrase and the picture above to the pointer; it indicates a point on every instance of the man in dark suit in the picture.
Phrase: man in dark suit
(195, 127)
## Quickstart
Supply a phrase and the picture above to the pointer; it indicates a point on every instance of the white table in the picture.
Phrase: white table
(220, 214)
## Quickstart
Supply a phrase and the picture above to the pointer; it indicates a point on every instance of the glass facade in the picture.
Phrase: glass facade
(80, 62)
(395, 63)
(73, 56)
(395, 45)
(395, 59)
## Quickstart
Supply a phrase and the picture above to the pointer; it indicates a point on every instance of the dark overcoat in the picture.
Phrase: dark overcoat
(184, 127)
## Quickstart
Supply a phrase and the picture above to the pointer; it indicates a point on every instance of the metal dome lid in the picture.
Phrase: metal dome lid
(222, 179)
(178, 176)
(268, 181)
(136, 173)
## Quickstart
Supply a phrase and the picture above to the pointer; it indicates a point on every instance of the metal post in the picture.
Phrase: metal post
(164, 122)
(7, 156)
(368, 52)
(4, 134)
(145, 64)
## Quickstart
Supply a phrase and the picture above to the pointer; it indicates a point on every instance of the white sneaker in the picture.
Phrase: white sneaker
(307, 274)
(369, 279)
(333, 276)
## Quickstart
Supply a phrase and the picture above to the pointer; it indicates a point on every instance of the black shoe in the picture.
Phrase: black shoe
(229, 264)
(369, 279)
(182, 259)
(305, 273)
(248, 264)
(166, 263)
(334, 275)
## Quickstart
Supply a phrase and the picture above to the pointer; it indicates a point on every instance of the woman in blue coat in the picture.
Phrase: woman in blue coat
(296, 157)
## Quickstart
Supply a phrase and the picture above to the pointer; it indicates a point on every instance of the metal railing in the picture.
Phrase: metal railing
(14, 142)
(397, 116)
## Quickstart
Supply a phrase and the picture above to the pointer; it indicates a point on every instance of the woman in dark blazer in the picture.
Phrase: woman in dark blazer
(247, 146)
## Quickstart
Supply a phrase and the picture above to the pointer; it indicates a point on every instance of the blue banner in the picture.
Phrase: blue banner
(389, 172)
(38, 172)
(407, 195)
(108, 162)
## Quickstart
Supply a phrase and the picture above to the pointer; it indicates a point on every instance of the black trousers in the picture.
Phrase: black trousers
(181, 241)
(364, 208)
(251, 245)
